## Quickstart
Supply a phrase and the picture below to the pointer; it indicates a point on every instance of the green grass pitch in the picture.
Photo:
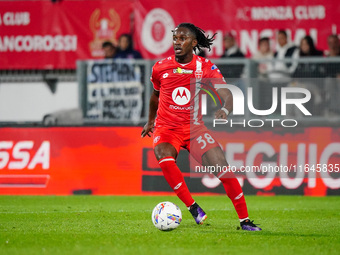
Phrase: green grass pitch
(122, 225)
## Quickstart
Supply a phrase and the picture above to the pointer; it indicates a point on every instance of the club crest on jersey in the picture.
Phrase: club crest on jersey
(156, 140)
(181, 95)
(198, 75)
(180, 70)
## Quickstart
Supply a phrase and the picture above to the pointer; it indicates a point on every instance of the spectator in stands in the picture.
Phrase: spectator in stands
(110, 50)
(307, 47)
(333, 46)
(280, 71)
(230, 47)
(232, 72)
(264, 53)
(125, 45)
(333, 69)
(332, 83)
(307, 69)
(310, 72)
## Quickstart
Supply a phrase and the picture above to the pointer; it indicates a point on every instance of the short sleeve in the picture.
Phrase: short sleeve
(155, 79)
(213, 71)
(214, 74)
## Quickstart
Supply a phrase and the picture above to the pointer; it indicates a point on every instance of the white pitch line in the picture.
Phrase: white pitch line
(43, 212)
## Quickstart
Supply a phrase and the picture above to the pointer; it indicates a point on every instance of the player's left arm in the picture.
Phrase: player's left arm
(216, 77)
(227, 108)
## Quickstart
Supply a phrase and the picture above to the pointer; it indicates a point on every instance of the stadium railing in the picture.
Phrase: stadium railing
(320, 76)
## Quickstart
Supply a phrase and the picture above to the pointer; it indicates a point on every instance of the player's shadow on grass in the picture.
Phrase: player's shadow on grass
(233, 230)
(292, 234)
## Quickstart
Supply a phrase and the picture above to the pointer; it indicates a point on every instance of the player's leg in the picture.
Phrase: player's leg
(207, 151)
(166, 155)
(215, 156)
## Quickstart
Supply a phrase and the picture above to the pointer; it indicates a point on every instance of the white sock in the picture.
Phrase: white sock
(244, 219)
(190, 205)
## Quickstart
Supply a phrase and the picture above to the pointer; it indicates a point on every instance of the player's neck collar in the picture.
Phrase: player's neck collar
(185, 64)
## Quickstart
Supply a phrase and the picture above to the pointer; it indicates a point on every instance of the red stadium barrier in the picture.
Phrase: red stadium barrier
(46, 35)
(247, 20)
(117, 161)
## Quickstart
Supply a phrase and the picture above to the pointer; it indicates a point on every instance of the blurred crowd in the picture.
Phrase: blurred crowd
(124, 49)
(286, 67)
(284, 49)
(282, 67)
(274, 65)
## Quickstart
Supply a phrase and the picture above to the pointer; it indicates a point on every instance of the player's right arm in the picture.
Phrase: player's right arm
(153, 107)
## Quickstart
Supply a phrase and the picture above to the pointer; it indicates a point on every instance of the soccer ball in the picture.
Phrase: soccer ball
(166, 216)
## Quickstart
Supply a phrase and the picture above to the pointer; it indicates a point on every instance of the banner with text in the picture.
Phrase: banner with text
(246, 20)
(47, 35)
(117, 161)
(114, 90)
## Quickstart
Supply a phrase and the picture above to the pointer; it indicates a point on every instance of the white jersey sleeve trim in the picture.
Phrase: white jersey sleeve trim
(166, 159)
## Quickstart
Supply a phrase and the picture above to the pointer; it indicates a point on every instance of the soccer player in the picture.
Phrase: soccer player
(171, 129)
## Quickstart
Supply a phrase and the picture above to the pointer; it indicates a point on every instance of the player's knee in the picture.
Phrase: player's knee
(214, 157)
(220, 160)
(165, 150)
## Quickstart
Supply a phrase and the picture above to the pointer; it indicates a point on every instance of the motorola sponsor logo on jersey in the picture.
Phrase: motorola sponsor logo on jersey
(181, 96)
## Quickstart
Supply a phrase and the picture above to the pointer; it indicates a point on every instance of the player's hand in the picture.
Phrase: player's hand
(220, 114)
(148, 128)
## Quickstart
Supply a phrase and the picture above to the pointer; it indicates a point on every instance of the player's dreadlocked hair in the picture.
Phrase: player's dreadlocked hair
(203, 41)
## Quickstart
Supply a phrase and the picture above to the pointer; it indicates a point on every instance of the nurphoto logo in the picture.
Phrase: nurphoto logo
(280, 103)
